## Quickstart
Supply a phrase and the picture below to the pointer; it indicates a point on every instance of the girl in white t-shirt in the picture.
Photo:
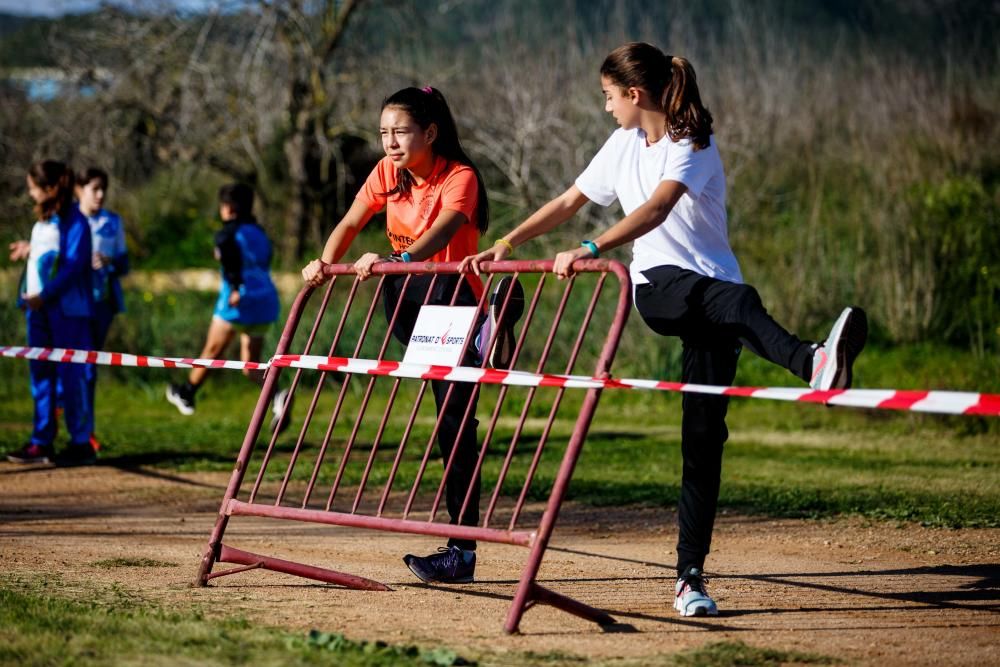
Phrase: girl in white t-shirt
(664, 168)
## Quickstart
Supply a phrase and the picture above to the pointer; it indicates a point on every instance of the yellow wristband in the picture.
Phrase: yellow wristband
(510, 246)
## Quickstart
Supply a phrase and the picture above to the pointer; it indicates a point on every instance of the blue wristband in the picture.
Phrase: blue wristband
(405, 256)
(592, 247)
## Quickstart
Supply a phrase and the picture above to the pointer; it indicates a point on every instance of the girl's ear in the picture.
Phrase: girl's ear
(431, 133)
(634, 94)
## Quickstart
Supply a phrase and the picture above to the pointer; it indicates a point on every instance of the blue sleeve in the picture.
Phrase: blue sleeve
(74, 260)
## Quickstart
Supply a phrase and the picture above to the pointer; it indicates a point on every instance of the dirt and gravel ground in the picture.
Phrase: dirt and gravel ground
(862, 592)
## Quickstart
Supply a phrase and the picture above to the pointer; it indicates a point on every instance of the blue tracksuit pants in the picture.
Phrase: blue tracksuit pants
(48, 327)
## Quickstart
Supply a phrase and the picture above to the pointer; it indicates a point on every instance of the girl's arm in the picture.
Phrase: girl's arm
(545, 219)
(642, 220)
(436, 238)
(340, 240)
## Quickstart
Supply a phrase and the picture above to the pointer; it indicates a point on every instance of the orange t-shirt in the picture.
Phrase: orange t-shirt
(452, 186)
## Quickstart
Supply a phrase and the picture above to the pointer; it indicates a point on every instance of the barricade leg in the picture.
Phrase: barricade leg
(528, 591)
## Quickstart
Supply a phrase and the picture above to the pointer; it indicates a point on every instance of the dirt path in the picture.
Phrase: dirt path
(866, 593)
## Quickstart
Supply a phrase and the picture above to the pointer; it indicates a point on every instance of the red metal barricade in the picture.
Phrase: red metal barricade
(355, 460)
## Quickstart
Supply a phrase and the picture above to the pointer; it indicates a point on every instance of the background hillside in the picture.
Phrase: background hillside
(859, 137)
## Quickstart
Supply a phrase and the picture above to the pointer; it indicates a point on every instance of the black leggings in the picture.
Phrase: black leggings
(462, 394)
(714, 319)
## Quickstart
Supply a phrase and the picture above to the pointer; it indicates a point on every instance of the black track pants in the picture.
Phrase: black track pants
(462, 393)
(714, 319)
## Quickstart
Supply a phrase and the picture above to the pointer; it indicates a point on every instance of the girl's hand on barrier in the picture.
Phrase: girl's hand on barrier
(563, 265)
(363, 267)
(19, 250)
(494, 254)
(312, 274)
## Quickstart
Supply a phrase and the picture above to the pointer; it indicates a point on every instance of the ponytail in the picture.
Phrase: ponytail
(687, 117)
(425, 106)
(668, 79)
(49, 174)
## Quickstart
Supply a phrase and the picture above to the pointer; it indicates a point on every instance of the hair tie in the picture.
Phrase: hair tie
(427, 89)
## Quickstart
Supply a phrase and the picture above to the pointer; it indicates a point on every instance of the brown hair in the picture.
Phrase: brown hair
(425, 106)
(670, 80)
(48, 174)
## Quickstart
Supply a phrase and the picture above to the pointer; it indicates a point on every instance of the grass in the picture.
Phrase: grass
(114, 628)
(738, 654)
(41, 626)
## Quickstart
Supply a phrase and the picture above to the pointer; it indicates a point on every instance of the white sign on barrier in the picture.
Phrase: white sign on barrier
(439, 335)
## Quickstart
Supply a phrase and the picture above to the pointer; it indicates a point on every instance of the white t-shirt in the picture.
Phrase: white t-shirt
(43, 255)
(694, 234)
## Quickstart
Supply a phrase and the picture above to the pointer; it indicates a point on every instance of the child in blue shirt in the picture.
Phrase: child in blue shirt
(57, 297)
(109, 262)
(248, 300)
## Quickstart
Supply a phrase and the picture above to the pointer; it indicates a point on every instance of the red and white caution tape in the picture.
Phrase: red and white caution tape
(943, 402)
(66, 356)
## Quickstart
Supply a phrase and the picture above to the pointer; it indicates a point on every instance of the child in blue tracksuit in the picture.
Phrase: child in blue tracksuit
(58, 300)
(248, 300)
(109, 261)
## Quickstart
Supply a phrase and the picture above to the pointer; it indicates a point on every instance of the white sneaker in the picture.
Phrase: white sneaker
(833, 361)
(691, 598)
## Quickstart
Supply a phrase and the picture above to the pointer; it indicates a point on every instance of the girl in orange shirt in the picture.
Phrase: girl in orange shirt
(436, 208)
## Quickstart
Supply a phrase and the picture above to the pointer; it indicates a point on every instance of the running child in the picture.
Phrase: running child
(664, 168)
(248, 300)
(56, 295)
(436, 209)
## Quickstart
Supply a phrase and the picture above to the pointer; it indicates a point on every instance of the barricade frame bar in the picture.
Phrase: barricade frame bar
(528, 591)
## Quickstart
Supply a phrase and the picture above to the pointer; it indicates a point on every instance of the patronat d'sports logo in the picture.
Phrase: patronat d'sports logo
(444, 336)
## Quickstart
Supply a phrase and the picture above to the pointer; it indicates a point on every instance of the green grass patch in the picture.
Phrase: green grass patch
(112, 628)
(113, 563)
(738, 654)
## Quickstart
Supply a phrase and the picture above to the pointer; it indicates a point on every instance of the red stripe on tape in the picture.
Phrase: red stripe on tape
(989, 404)
(436, 373)
(494, 376)
(819, 396)
(741, 391)
(903, 400)
(669, 386)
(384, 368)
(552, 381)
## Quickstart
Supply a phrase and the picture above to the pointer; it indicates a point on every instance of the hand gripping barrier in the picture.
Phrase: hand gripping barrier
(357, 460)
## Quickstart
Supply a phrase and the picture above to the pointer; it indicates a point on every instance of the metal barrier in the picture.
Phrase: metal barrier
(349, 453)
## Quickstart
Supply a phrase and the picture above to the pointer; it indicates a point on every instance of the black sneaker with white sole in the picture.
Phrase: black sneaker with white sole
(182, 398)
(32, 453)
(281, 410)
(502, 353)
(450, 565)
